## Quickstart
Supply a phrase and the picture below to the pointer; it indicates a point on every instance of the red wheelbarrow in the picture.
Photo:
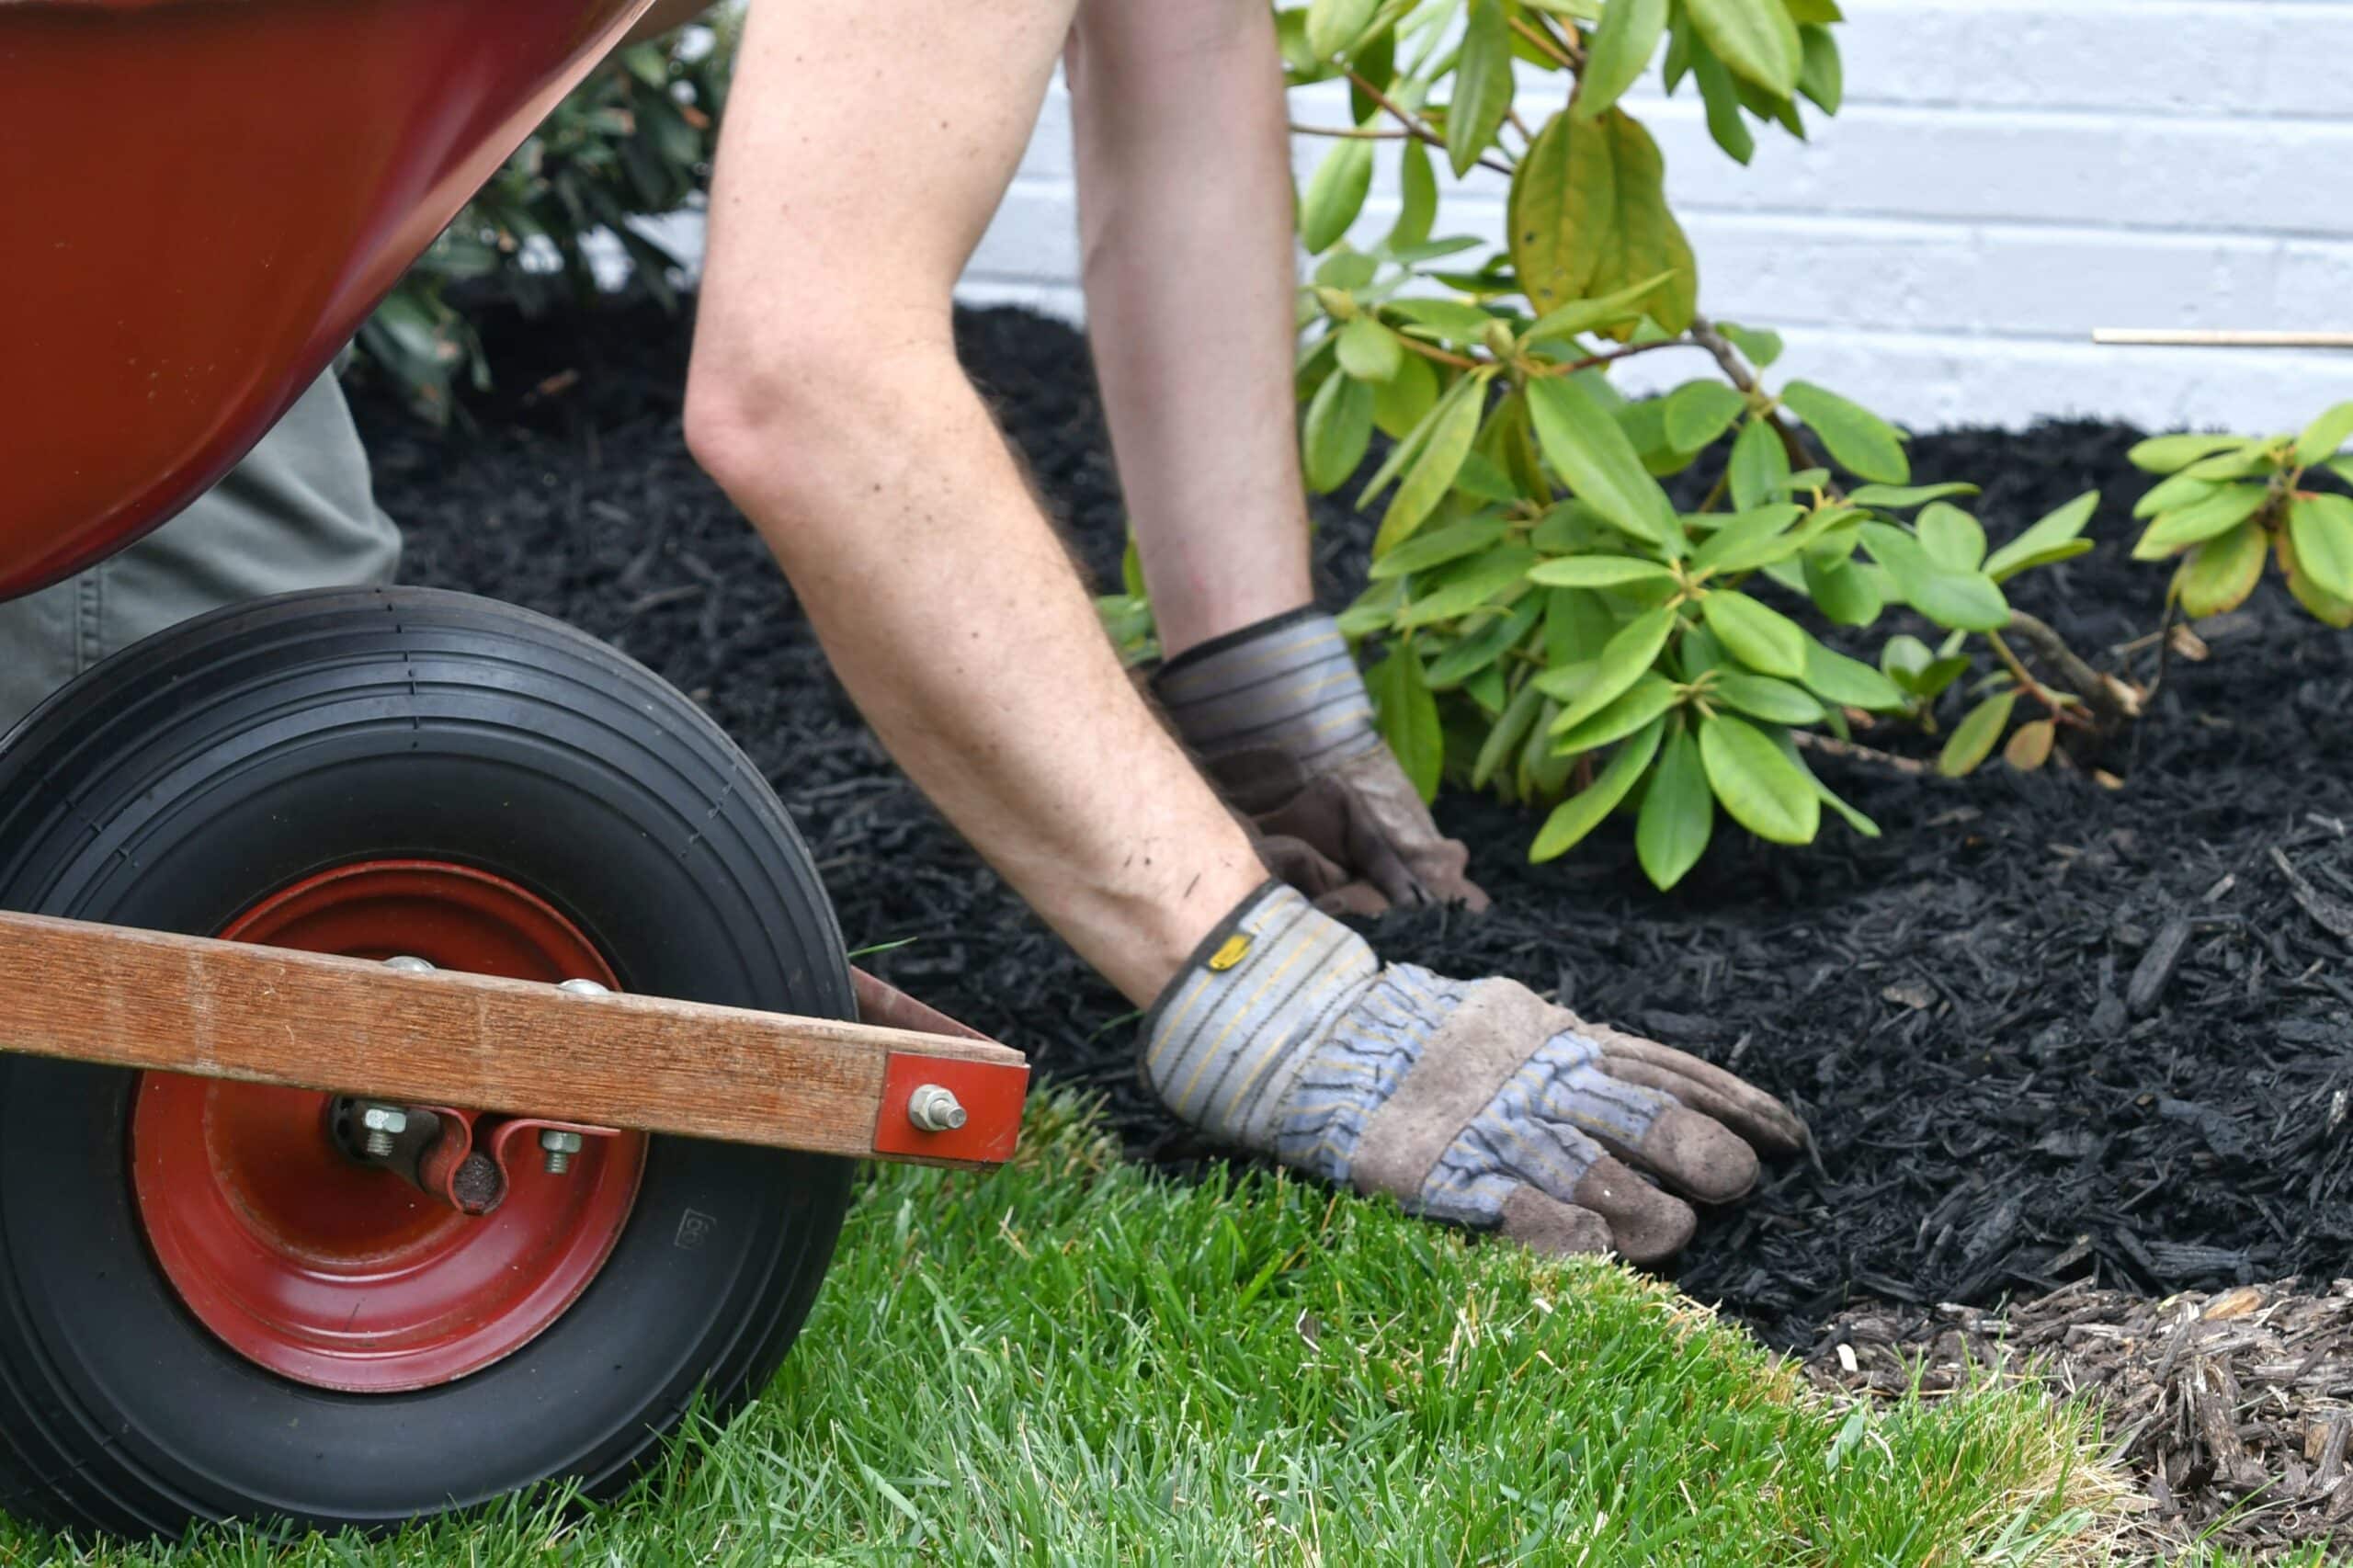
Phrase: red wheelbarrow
(427, 1058)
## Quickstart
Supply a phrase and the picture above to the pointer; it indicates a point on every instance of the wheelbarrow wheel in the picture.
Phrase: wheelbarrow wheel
(378, 772)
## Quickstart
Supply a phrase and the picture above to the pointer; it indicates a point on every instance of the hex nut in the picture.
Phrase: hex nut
(557, 1147)
(933, 1108)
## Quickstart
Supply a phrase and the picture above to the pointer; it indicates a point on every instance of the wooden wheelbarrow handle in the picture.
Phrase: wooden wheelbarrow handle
(146, 999)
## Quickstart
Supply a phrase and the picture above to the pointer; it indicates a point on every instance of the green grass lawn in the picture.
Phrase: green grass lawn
(1073, 1361)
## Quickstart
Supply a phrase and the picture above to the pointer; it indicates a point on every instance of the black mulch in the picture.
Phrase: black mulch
(2045, 1031)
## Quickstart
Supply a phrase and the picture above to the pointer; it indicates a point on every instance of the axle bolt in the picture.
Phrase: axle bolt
(382, 1123)
(935, 1110)
(557, 1148)
(408, 965)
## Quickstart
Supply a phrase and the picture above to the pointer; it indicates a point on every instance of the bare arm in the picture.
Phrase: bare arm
(863, 152)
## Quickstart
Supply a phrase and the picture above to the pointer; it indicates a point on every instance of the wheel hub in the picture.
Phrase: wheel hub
(339, 1273)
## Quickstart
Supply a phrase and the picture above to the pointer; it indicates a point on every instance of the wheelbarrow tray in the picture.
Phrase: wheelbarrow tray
(205, 200)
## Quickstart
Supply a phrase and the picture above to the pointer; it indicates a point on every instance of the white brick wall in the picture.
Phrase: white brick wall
(2007, 175)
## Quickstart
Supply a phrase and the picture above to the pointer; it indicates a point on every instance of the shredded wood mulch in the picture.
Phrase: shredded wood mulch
(2231, 1409)
(2048, 1034)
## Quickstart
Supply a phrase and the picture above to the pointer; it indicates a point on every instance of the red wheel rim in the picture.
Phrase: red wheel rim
(344, 1277)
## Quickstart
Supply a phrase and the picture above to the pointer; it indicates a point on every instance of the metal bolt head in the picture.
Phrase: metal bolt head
(584, 988)
(407, 965)
(556, 1148)
(935, 1110)
(381, 1124)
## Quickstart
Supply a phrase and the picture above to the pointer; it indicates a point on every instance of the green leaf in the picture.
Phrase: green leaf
(1679, 815)
(1760, 346)
(2057, 527)
(1372, 59)
(1954, 539)
(1759, 467)
(1864, 444)
(1956, 600)
(1898, 497)
(1639, 705)
(2251, 457)
(1584, 315)
(1347, 270)
(1853, 818)
(1575, 817)
(1449, 320)
(1369, 351)
(1755, 37)
(1588, 217)
(1518, 716)
(1481, 480)
(1333, 24)
(2324, 434)
(1849, 683)
(2171, 495)
(2327, 608)
(1339, 427)
(2223, 572)
(1597, 571)
(1577, 626)
(2322, 528)
(1764, 698)
(1335, 194)
(2217, 513)
(1400, 403)
(1698, 412)
(1821, 76)
(2171, 454)
(1478, 651)
(1418, 199)
(1758, 635)
(1624, 660)
(1408, 717)
(1372, 610)
(1469, 585)
(1619, 53)
(1820, 13)
(1842, 590)
(1973, 739)
(1762, 789)
(1438, 547)
(1483, 85)
(1750, 540)
(1131, 570)
(1432, 475)
(1589, 450)
(1722, 100)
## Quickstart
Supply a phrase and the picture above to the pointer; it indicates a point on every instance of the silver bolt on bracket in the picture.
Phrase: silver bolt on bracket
(935, 1110)
(408, 965)
(557, 1147)
(583, 988)
(382, 1123)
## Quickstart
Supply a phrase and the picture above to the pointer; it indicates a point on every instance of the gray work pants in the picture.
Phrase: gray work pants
(298, 513)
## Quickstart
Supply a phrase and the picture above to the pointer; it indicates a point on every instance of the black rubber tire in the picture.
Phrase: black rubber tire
(219, 761)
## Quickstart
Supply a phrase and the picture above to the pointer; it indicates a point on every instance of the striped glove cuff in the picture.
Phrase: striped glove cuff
(1288, 684)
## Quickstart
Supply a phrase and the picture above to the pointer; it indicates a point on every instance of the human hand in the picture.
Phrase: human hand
(1282, 723)
(1473, 1102)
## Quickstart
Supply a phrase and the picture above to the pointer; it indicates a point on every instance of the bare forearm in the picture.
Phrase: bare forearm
(952, 615)
(1185, 207)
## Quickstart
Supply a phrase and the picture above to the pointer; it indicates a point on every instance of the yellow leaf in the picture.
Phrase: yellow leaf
(2030, 747)
(1589, 217)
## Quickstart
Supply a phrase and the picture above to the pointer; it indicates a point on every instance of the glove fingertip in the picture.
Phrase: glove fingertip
(1541, 1223)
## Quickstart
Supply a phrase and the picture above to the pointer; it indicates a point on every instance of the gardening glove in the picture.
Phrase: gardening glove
(1281, 721)
(1473, 1102)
